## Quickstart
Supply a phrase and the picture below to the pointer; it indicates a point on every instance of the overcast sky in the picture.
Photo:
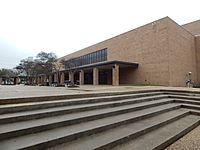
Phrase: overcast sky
(64, 26)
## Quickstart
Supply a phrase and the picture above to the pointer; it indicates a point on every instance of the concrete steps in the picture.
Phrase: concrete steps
(163, 136)
(38, 125)
(51, 137)
(112, 137)
(10, 108)
(102, 122)
(79, 96)
(181, 92)
(184, 97)
(41, 113)
(185, 101)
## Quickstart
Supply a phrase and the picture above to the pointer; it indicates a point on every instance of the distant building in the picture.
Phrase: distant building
(159, 53)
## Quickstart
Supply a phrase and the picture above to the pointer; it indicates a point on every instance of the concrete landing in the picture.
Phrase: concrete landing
(21, 91)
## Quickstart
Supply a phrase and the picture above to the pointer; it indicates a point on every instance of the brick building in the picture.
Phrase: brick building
(159, 53)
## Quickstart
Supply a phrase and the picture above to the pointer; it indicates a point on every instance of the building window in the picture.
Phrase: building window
(98, 56)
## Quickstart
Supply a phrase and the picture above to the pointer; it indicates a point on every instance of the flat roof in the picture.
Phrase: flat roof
(122, 64)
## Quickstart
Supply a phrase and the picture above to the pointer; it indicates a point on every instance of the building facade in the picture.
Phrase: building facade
(159, 53)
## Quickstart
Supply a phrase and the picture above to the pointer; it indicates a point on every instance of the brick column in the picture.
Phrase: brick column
(95, 76)
(0, 81)
(115, 75)
(62, 78)
(42, 80)
(30, 80)
(55, 77)
(17, 80)
(50, 79)
(39, 80)
(81, 77)
(71, 77)
(45, 79)
(36, 80)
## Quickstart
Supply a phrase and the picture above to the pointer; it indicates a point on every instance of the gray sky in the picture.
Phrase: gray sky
(64, 26)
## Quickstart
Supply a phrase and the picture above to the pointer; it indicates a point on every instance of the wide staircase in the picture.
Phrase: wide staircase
(135, 120)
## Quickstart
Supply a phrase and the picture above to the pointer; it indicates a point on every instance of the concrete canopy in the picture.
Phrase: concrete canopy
(108, 64)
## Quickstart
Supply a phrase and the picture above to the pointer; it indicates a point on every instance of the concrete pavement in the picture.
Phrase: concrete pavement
(20, 91)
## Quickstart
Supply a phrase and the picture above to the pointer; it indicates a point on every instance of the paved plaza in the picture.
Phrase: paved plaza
(16, 91)
(13, 91)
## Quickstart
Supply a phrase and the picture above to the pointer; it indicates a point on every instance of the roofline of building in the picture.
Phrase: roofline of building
(116, 36)
(190, 22)
(181, 26)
